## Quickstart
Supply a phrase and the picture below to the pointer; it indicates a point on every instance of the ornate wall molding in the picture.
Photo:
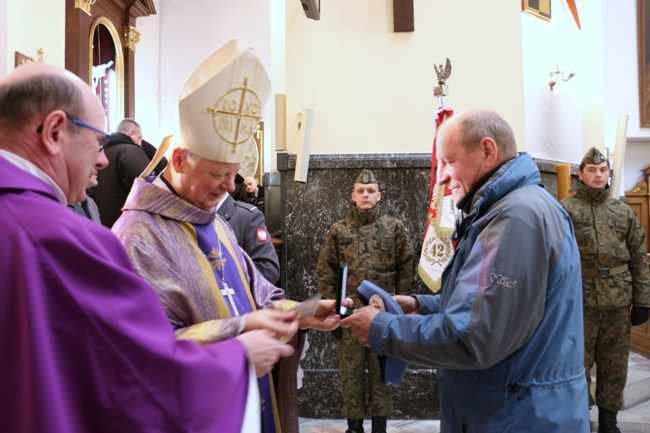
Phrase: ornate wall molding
(131, 37)
(84, 5)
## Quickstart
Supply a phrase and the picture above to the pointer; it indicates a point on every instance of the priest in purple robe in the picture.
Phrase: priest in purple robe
(84, 342)
(208, 285)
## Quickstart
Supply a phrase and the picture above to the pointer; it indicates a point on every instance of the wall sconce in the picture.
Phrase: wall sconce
(559, 74)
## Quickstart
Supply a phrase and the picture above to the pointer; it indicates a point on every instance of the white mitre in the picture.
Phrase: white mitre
(221, 104)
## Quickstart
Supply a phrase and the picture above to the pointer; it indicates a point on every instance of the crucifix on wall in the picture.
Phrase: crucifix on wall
(403, 16)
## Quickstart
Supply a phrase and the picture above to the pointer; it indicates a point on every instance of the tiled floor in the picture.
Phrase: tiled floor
(394, 426)
(635, 419)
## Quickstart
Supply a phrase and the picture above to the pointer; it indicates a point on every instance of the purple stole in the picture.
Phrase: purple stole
(217, 252)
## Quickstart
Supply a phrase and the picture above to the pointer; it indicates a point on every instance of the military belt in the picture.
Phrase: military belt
(604, 272)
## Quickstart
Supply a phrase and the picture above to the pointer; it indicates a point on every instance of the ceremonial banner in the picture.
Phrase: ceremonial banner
(437, 247)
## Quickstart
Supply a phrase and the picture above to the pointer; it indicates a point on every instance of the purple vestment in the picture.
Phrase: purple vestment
(158, 230)
(84, 343)
(182, 251)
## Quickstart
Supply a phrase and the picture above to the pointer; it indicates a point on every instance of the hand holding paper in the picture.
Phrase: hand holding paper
(324, 317)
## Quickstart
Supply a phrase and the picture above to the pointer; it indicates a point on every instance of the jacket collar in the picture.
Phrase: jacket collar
(365, 216)
(590, 194)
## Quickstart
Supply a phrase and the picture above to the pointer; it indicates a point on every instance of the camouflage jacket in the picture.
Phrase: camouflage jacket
(376, 248)
(609, 235)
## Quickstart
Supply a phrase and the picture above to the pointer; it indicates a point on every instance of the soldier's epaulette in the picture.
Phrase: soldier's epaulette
(248, 206)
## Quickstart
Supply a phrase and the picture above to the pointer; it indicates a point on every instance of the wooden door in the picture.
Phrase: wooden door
(118, 16)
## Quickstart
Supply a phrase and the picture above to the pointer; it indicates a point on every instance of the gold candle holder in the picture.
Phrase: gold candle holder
(563, 181)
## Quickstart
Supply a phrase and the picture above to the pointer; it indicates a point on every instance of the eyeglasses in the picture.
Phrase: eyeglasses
(105, 137)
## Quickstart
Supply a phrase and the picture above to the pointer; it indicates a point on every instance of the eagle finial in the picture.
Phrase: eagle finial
(443, 72)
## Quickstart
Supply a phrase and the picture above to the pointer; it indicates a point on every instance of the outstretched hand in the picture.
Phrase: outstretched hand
(282, 324)
(360, 322)
(408, 304)
(264, 350)
(325, 317)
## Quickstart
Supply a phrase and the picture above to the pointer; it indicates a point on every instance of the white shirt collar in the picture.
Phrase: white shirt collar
(225, 196)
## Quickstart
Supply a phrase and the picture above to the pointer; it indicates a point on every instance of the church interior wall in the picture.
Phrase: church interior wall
(4, 51)
(33, 25)
(371, 88)
(191, 31)
(621, 86)
(557, 120)
(148, 99)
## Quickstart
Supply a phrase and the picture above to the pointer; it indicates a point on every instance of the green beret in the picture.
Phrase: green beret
(593, 156)
(366, 177)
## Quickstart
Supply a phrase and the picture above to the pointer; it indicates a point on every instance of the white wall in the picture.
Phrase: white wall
(621, 63)
(35, 24)
(558, 121)
(4, 52)
(371, 88)
(191, 30)
(622, 85)
(147, 77)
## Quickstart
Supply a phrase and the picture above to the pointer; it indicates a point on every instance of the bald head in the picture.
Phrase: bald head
(251, 185)
(469, 146)
(474, 125)
(41, 111)
(131, 128)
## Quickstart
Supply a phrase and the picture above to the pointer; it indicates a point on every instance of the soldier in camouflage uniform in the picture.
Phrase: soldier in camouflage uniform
(376, 248)
(615, 277)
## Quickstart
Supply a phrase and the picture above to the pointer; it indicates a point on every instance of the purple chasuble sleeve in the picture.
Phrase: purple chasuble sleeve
(85, 344)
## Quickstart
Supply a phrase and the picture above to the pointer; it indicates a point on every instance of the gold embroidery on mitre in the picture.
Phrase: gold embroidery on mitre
(236, 114)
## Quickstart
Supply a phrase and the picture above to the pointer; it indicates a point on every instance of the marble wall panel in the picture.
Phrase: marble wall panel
(306, 211)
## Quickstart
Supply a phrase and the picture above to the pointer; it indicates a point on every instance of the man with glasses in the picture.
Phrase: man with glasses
(88, 207)
(85, 344)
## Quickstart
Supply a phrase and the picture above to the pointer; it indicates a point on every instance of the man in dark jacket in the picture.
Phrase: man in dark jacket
(252, 235)
(254, 193)
(127, 158)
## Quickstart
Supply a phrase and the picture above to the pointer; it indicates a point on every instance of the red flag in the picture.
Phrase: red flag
(437, 247)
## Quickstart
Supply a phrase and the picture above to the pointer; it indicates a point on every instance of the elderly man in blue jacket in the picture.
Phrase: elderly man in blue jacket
(505, 332)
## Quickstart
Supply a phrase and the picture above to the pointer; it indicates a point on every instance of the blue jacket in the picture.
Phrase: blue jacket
(506, 331)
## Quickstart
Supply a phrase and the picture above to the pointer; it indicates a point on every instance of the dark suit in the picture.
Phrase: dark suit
(252, 235)
(257, 200)
(126, 160)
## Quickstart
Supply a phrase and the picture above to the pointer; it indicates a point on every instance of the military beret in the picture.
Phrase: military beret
(392, 369)
(593, 156)
(366, 177)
